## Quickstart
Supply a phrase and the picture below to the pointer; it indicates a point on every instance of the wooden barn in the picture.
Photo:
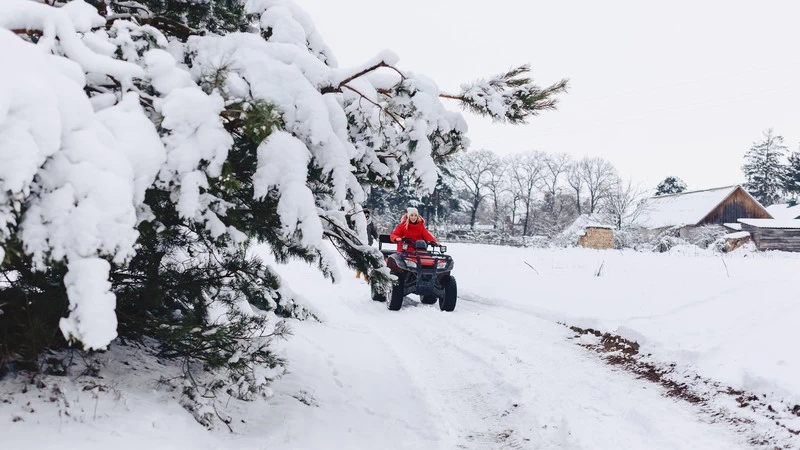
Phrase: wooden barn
(773, 234)
(689, 210)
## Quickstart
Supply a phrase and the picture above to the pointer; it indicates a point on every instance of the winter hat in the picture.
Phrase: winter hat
(412, 210)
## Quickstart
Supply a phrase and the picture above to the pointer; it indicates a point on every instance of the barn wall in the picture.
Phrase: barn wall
(597, 238)
(737, 206)
(785, 239)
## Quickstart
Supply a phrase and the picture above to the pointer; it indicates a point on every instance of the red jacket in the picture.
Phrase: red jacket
(414, 231)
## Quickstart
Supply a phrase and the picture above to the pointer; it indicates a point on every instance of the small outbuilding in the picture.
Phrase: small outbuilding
(597, 237)
(589, 232)
(689, 210)
(773, 234)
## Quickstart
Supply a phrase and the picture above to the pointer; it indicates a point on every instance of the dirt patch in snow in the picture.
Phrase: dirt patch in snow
(766, 422)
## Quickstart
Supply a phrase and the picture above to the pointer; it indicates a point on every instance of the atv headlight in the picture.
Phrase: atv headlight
(441, 264)
(411, 264)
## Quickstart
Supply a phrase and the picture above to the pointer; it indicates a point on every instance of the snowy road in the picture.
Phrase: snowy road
(484, 377)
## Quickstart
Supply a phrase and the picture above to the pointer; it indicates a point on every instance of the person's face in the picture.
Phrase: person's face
(413, 218)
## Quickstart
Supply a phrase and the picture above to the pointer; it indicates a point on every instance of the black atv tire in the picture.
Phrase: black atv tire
(448, 301)
(377, 296)
(397, 295)
(428, 299)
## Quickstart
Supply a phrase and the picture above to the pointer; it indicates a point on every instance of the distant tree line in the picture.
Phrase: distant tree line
(533, 193)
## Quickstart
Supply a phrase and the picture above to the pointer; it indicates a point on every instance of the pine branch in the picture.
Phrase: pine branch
(343, 83)
(510, 97)
(389, 113)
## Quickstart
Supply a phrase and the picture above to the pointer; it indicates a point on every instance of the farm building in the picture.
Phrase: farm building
(589, 232)
(784, 211)
(773, 234)
(689, 210)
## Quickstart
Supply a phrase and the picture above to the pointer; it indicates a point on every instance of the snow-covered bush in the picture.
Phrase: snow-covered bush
(705, 236)
(667, 242)
(145, 145)
(633, 238)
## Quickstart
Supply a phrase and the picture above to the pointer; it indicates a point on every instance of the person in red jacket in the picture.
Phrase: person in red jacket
(412, 226)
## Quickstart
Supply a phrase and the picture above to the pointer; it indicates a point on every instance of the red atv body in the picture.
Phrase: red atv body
(421, 268)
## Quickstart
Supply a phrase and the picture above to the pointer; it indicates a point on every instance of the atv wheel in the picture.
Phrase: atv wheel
(428, 299)
(397, 294)
(377, 296)
(448, 302)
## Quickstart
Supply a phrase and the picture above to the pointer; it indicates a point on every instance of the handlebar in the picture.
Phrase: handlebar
(411, 241)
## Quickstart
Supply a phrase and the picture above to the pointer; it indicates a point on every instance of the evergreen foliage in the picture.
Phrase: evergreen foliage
(792, 176)
(764, 168)
(670, 185)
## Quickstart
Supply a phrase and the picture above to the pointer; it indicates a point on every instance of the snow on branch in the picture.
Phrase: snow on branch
(283, 164)
(61, 25)
(510, 97)
(341, 77)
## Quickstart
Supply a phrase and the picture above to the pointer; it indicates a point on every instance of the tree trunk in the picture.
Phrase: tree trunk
(527, 218)
(474, 214)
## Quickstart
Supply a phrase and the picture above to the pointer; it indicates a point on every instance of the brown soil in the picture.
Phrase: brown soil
(620, 352)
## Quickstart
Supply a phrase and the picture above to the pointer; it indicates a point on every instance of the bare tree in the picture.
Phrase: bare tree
(599, 177)
(623, 203)
(576, 182)
(555, 169)
(473, 170)
(498, 187)
(526, 172)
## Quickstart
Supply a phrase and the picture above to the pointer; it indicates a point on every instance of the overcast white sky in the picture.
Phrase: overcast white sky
(676, 88)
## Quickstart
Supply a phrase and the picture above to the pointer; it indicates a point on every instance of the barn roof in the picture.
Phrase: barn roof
(784, 211)
(772, 223)
(686, 208)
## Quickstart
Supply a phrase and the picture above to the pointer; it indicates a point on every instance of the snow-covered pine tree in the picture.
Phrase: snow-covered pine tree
(764, 168)
(145, 147)
(670, 185)
(792, 176)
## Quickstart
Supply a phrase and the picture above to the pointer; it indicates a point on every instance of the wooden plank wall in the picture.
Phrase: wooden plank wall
(737, 206)
(786, 239)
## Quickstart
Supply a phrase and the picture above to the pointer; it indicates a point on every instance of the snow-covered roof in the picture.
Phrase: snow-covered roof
(784, 211)
(590, 221)
(687, 208)
(737, 235)
(733, 226)
(772, 223)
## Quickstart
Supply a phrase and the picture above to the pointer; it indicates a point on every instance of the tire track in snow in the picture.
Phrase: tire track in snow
(474, 399)
(472, 366)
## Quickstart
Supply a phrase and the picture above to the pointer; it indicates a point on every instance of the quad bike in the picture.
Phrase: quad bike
(421, 268)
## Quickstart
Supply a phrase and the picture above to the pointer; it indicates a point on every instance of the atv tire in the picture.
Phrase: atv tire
(448, 301)
(397, 295)
(428, 299)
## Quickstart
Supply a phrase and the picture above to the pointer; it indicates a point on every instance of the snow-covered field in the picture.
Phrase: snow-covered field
(733, 317)
(499, 372)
